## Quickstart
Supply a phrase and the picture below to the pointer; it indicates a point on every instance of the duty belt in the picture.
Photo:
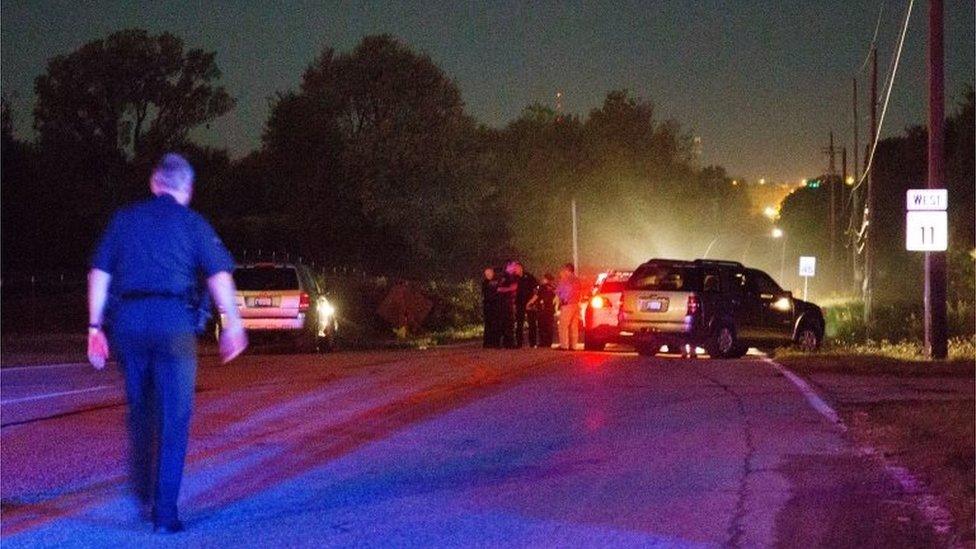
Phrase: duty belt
(142, 294)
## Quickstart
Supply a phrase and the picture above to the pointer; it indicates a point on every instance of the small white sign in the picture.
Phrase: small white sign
(926, 231)
(927, 199)
(808, 265)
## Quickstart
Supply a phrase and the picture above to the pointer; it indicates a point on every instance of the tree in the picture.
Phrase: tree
(128, 93)
(376, 144)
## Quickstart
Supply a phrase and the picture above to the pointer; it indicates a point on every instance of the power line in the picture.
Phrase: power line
(874, 39)
(891, 85)
(877, 136)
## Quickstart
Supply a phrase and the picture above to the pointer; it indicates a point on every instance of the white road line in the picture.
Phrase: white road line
(812, 397)
(42, 366)
(52, 395)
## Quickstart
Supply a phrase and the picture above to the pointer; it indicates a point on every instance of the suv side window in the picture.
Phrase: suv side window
(758, 282)
(711, 281)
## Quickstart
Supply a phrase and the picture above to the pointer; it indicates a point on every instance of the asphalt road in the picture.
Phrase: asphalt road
(454, 447)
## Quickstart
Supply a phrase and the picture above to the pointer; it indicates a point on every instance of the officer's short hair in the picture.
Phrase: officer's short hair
(173, 172)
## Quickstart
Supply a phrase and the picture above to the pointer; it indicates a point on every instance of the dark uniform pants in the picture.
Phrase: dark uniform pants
(160, 371)
(525, 319)
(546, 323)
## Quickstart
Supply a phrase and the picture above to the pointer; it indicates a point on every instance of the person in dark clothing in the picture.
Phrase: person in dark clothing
(507, 295)
(524, 318)
(148, 261)
(544, 303)
(489, 304)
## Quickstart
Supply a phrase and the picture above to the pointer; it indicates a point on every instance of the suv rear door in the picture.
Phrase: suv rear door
(268, 291)
(658, 293)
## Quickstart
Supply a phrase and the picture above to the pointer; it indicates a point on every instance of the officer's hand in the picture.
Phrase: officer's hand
(97, 349)
(232, 344)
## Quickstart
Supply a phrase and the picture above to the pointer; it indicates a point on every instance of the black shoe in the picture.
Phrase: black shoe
(166, 528)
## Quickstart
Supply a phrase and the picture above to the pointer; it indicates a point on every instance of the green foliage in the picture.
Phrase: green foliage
(128, 91)
(898, 321)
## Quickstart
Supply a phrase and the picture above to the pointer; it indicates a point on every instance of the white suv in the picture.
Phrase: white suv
(284, 299)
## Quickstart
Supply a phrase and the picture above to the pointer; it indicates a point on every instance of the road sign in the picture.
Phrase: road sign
(808, 265)
(927, 200)
(926, 231)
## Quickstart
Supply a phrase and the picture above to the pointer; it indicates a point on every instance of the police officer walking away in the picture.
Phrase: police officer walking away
(149, 261)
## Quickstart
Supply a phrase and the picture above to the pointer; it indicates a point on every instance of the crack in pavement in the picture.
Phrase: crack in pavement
(735, 530)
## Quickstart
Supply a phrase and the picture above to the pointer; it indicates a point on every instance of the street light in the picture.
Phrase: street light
(778, 233)
(771, 212)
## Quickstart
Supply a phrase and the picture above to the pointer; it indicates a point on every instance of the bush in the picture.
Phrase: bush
(901, 321)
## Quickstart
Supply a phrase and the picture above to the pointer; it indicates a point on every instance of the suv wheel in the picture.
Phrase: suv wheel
(593, 344)
(724, 343)
(647, 349)
(326, 344)
(808, 339)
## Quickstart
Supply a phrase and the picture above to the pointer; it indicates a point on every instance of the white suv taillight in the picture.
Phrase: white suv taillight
(303, 302)
(693, 304)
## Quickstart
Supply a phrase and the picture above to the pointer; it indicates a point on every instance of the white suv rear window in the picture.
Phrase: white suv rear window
(266, 279)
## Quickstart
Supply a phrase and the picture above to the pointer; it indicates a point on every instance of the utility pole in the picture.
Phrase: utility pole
(575, 239)
(855, 265)
(842, 206)
(936, 333)
(857, 144)
(868, 287)
(832, 210)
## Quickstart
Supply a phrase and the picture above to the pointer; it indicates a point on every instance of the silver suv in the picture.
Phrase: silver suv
(284, 299)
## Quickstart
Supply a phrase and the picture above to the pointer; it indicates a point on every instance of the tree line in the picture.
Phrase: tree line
(371, 162)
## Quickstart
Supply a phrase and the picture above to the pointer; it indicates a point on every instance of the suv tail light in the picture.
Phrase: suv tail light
(599, 302)
(303, 302)
(693, 304)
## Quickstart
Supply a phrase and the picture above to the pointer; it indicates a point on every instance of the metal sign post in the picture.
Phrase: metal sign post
(808, 268)
(927, 230)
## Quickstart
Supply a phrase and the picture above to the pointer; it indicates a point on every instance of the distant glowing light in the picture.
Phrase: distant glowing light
(735, 182)
(803, 182)
(771, 212)
(850, 180)
(762, 180)
(777, 232)
(598, 302)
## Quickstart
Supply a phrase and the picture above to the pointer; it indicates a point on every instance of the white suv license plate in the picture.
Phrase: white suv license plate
(653, 305)
(262, 302)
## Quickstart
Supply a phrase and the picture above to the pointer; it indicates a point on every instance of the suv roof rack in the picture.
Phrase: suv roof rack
(723, 262)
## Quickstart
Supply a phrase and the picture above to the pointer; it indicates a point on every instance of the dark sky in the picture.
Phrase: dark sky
(761, 82)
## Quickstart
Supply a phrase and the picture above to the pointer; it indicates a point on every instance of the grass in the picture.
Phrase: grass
(962, 354)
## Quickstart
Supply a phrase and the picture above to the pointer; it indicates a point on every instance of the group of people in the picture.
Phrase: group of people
(516, 305)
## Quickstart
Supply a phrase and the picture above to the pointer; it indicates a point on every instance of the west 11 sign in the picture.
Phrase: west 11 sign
(926, 221)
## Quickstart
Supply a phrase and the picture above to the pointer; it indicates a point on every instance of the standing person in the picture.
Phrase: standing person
(543, 304)
(489, 307)
(507, 290)
(569, 292)
(526, 285)
(148, 260)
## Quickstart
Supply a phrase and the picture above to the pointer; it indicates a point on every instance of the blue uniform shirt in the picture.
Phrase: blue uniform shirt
(159, 248)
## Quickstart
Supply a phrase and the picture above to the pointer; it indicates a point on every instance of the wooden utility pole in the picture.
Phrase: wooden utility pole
(869, 206)
(832, 194)
(936, 332)
(857, 144)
